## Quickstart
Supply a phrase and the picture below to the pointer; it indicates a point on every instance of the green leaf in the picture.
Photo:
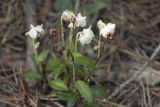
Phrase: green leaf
(43, 55)
(68, 96)
(72, 100)
(31, 75)
(94, 7)
(66, 78)
(80, 71)
(98, 91)
(33, 57)
(61, 5)
(52, 63)
(58, 71)
(84, 90)
(94, 104)
(63, 95)
(83, 60)
(55, 67)
(58, 85)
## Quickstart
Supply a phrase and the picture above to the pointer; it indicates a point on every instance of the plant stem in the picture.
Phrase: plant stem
(39, 65)
(76, 43)
(73, 67)
(35, 51)
(93, 70)
(74, 73)
(99, 47)
(62, 31)
(98, 60)
(70, 38)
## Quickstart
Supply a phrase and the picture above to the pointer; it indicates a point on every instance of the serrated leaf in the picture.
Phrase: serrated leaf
(83, 60)
(55, 68)
(94, 7)
(98, 91)
(80, 71)
(72, 100)
(68, 96)
(31, 75)
(58, 71)
(61, 5)
(58, 85)
(52, 63)
(43, 55)
(63, 95)
(84, 90)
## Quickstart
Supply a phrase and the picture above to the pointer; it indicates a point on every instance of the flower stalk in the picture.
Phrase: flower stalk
(99, 47)
(62, 31)
(76, 43)
(70, 38)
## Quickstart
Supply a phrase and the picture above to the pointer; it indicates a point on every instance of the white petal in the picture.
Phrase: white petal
(80, 21)
(108, 29)
(86, 36)
(111, 27)
(31, 26)
(39, 29)
(35, 31)
(104, 32)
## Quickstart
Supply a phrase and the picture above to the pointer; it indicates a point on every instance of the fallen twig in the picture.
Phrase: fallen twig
(117, 90)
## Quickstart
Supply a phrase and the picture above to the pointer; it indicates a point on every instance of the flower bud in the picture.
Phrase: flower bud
(67, 15)
(52, 32)
(73, 19)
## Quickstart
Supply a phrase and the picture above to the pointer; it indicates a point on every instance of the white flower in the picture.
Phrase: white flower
(80, 21)
(106, 31)
(67, 15)
(86, 36)
(35, 31)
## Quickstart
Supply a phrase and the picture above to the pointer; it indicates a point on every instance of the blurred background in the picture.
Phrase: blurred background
(137, 35)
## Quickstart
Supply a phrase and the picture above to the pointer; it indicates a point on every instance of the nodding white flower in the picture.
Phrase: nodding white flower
(106, 31)
(35, 31)
(80, 20)
(86, 36)
(67, 15)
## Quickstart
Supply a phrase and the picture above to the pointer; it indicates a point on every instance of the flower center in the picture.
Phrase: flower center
(109, 35)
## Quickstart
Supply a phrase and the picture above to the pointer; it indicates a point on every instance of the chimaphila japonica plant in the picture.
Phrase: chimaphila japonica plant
(70, 77)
